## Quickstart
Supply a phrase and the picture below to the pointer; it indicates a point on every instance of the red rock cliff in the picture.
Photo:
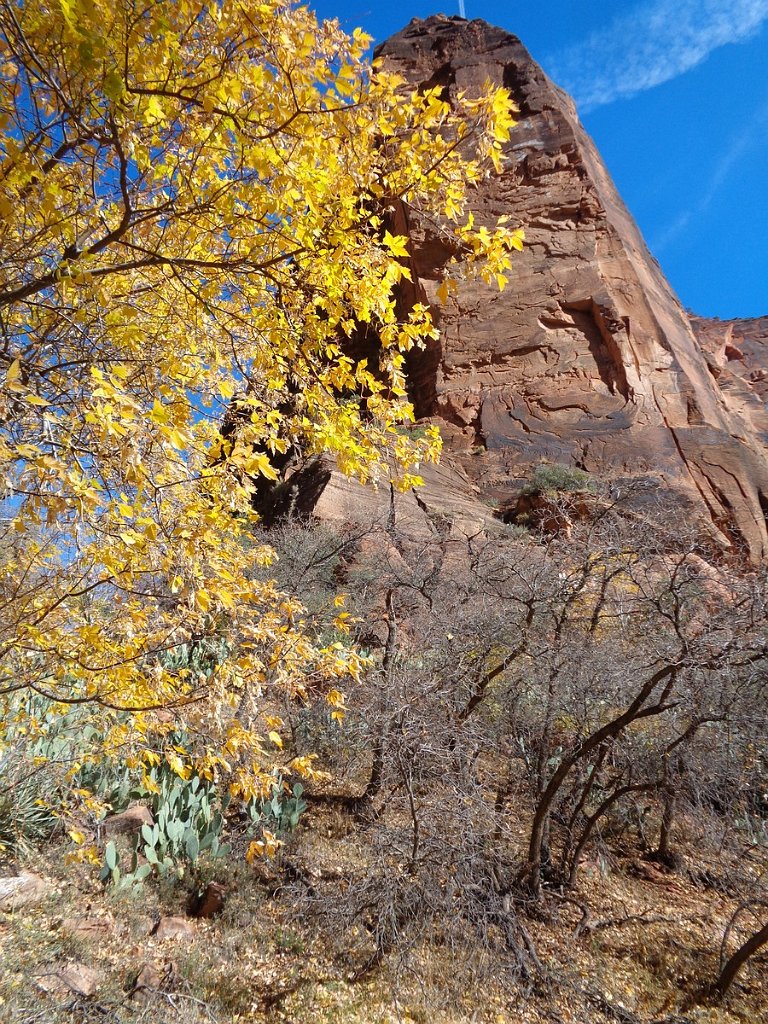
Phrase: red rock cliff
(587, 358)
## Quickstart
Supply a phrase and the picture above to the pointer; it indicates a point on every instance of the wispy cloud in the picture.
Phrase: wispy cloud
(657, 41)
(736, 149)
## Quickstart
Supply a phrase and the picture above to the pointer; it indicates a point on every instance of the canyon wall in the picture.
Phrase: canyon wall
(587, 358)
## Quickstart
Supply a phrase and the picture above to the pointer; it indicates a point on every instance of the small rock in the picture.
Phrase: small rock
(143, 925)
(88, 927)
(209, 902)
(75, 978)
(149, 982)
(23, 890)
(128, 822)
(649, 873)
(175, 928)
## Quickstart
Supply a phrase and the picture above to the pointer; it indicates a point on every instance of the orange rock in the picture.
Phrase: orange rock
(89, 927)
(128, 822)
(75, 978)
(210, 902)
(22, 890)
(178, 928)
(587, 358)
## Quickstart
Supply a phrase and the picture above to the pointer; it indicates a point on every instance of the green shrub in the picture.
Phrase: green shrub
(48, 754)
(39, 746)
(26, 821)
(189, 818)
(557, 479)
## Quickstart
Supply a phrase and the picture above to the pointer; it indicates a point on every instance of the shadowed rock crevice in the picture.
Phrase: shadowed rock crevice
(442, 79)
(602, 328)
(296, 496)
(762, 497)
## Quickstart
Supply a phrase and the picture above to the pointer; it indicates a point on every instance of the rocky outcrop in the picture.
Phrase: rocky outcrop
(587, 358)
(737, 355)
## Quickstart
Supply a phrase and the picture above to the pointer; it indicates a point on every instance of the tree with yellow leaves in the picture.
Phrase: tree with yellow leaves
(194, 205)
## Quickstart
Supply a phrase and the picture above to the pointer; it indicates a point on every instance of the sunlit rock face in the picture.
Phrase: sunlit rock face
(737, 354)
(587, 358)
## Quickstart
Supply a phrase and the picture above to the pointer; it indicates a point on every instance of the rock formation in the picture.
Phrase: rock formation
(587, 358)
(737, 354)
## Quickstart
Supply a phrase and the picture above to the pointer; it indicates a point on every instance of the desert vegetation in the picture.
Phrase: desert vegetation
(538, 706)
(552, 740)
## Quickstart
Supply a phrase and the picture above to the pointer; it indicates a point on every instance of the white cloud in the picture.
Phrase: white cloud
(657, 41)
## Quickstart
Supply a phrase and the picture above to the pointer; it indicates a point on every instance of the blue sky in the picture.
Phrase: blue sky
(675, 94)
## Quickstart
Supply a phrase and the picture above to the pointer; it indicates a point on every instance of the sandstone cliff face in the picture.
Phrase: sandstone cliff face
(587, 358)
(737, 354)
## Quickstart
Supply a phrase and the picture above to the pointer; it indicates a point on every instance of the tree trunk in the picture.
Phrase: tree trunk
(532, 871)
(388, 665)
(663, 852)
(737, 961)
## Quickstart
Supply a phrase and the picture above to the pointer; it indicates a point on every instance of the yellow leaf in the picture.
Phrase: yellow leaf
(517, 239)
(149, 784)
(260, 464)
(177, 439)
(13, 371)
(341, 623)
(396, 244)
(264, 847)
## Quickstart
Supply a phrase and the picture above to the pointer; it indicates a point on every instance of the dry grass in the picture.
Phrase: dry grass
(258, 962)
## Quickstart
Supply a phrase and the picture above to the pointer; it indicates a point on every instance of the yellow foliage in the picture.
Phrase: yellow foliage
(267, 846)
(193, 216)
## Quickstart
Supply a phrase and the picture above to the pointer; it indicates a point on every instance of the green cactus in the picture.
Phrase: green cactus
(189, 818)
(280, 812)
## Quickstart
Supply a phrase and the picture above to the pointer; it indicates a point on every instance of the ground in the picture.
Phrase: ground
(649, 939)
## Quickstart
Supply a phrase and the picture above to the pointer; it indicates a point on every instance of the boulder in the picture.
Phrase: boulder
(209, 902)
(89, 928)
(178, 928)
(127, 822)
(23, 890)
(73, 979)
(551, 513)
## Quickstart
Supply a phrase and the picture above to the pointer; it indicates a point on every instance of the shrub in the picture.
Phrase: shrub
(39, 748)
(557, 478)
